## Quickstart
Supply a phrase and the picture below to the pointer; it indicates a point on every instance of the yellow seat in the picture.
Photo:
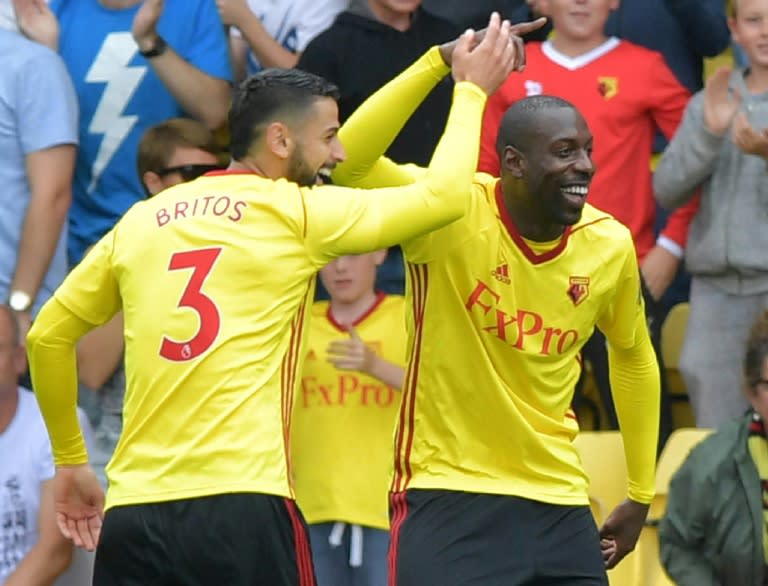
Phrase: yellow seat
(602, 456)
(676, 450)
(672, 337)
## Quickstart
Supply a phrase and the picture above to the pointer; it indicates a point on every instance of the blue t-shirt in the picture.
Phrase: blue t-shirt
(38, 110)
(121, 97)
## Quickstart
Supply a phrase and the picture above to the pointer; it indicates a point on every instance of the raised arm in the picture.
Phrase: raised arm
(373, 127)
(203, 94)
(346, 221)
(689, 159)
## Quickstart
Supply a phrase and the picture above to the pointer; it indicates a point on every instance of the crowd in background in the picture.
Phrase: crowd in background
(104, 103)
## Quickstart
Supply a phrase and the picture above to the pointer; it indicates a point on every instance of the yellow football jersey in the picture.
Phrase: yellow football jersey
(343, 421)
(496, 324)
(495, 345)
(214, 278)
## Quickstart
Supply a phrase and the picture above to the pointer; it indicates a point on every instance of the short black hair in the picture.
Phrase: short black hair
(515, 124)
(269, 95)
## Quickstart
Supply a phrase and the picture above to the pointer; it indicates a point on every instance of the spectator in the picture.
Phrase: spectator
(273, 34)
(134, 64)
(33, 552)
(170, 153)
(722, 148)
(38, 144)
(714, 528)
(367, 46)
(625, 92)
(343, 419)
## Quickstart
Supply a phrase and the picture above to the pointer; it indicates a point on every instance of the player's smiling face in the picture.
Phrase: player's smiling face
(559, 166)
(317, 149)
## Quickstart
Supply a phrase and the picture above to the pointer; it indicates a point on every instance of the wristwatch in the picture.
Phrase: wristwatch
(157, 48)
(19, 301)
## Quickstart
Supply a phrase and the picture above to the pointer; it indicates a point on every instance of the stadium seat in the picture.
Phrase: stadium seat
(602, 455)
(679, 444)
(672, 337)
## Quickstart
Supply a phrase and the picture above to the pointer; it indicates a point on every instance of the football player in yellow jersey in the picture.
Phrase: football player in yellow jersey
(488, 487)
(214, 278)
(343, 419)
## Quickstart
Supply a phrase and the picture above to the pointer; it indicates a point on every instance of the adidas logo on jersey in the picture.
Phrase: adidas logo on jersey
(501, 273)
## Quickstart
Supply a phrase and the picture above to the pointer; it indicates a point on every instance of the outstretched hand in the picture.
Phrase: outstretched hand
(79, 503)
(621, 530)
(488, 63)
(516, 30)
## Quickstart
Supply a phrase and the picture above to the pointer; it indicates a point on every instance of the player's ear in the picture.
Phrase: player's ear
(514, 162)
(152, 182)
(278, 140)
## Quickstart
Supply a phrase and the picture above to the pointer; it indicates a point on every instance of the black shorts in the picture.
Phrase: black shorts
(229, 539)
(467, 539)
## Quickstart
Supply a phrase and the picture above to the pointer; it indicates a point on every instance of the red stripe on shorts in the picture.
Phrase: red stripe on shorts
(301, 542)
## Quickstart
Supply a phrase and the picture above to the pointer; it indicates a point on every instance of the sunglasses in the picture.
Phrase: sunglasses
(189, 172)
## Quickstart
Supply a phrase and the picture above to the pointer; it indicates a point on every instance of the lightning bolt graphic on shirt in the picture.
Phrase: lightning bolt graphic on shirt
(111, 67)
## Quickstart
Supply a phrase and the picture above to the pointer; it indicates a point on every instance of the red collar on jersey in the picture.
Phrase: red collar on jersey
(380, 296)
(530, 254)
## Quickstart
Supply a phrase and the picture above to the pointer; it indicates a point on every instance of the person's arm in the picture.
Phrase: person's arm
(203, 95)
(688, 160)
(355, 354)
(49, 173)
(704, 23)
(685, 526)
(373, 127)
(88, 297)
(47, 133)
(100, 352)
(634, 376)
(668, 101)
(51, 555)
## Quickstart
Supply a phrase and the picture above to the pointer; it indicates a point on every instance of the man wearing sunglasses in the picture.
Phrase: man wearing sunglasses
(176, 151)
(172, 152)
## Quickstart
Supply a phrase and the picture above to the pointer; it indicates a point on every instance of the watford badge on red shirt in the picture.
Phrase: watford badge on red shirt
(608, 86)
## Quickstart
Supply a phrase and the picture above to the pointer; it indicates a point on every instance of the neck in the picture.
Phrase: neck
(576, 47)
(350, 312)
(757, 80)
(527, 219)
(397, 20)
(255, 167)
(9, 401)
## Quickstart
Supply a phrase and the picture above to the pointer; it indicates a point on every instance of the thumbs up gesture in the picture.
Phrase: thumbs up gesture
(352, 353)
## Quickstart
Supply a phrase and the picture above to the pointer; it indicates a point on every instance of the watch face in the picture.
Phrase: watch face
(19, 301)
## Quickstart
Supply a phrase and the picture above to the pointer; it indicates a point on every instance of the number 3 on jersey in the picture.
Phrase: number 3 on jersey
(201, 262)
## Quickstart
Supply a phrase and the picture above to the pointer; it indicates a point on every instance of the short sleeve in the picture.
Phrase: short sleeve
(47, 113)
(91, 290)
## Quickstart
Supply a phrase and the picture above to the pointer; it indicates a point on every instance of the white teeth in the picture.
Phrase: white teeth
(325, 173)
(575, 190)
